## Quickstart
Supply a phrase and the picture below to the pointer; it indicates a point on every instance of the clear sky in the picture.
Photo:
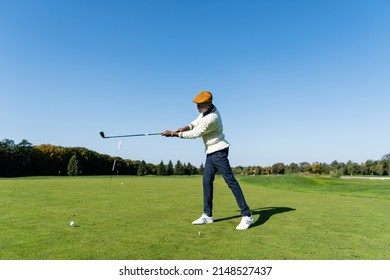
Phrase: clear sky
(295, 81)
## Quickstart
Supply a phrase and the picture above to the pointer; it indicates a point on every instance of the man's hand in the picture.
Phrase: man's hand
(168, 133)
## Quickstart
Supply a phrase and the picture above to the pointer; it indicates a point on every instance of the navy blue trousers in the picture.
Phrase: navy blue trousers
(219, 161)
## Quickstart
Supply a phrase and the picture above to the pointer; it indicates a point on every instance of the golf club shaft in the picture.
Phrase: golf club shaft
(129, 135)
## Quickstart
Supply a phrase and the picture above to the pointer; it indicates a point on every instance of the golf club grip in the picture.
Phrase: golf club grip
(150, 134)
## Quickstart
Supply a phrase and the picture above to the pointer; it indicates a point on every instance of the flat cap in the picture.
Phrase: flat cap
(203, 97)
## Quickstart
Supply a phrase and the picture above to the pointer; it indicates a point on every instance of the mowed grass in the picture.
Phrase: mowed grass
(149, 218)
(313, 184)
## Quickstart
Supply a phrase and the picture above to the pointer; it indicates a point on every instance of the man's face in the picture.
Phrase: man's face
(203, 107)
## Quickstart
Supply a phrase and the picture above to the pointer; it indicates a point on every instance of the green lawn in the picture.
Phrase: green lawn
(325, 185)
(150, 218)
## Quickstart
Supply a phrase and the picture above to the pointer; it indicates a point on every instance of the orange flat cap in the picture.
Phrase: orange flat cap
(203, 97)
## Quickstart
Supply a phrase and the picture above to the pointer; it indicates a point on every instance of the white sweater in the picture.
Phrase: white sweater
(210, 128)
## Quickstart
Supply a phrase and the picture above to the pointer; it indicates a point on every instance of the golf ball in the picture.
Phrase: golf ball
(72, 223)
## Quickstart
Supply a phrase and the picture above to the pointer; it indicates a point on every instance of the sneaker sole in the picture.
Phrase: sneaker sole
(204, 223)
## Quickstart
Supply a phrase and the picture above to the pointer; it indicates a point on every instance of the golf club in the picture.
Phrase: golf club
(131, 135)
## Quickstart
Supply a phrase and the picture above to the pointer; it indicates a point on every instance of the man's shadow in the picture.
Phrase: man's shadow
(263, 214)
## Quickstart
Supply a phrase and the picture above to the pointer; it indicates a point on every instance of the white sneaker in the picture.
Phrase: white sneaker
(245, 222)
(204, 219)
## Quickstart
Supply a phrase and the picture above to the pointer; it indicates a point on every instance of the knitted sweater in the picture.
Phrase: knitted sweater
(209, 127)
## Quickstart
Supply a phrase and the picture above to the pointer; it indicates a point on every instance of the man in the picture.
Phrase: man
(208, 125)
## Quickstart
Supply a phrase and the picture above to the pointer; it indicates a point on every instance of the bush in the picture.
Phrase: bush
(335, 174)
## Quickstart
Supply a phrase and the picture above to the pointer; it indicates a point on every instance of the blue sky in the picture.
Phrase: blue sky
(295, 81)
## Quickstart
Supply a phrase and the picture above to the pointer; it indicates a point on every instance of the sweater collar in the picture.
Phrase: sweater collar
(210, 110)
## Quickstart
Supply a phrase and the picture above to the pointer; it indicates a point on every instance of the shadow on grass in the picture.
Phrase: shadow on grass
(262, 214)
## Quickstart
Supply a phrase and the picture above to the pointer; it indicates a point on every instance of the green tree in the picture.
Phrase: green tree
(257, 170)
(179, 168)
(161, 169)
(324, 168)
(142, 169)
(380, 168)
(305, 167)
(373, 167)
(353, 168)
(292, 168)
(170, 170)
(386, 160)
(238, 170)
(190, 169)
(336, 169)
(151, 169)
(267, 170)
(278, 168)
(74, 167)
(335, 166)
(15, 159)
(366, 168)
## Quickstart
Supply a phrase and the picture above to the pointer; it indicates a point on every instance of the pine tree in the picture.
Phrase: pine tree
(179, 169)
(161, 169)
(74, 167)
(170, 170)
(191, 170)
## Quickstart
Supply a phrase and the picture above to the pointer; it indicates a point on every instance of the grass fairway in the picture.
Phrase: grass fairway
(147, 218)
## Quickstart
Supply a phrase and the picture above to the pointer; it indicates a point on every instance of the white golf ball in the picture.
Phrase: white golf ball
(72, 223)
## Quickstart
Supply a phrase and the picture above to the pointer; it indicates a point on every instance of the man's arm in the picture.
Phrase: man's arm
(176, 133)
(186, 128)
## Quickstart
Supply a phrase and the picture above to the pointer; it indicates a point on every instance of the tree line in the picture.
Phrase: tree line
(335, 169)
(24, 159)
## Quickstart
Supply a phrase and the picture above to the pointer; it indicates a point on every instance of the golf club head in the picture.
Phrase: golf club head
(102, 134)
